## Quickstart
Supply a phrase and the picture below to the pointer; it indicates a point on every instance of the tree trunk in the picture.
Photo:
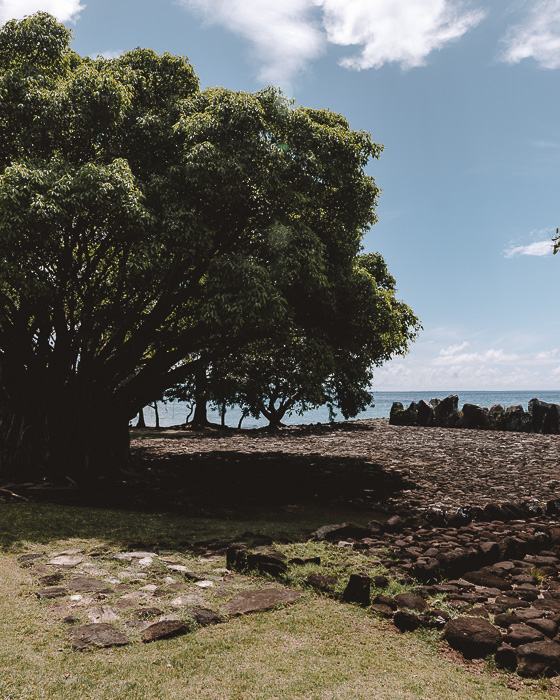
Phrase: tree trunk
(200, 418)
(141, 420)
(63, 440)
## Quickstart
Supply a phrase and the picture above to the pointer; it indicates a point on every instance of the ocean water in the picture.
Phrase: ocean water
(175, 413)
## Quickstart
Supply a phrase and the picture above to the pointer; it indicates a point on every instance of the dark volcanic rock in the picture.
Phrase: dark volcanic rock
(320, 582)
(357, 590)
(520, 633)
(474, 637)
(411, 601)
(545, 417)
(487, 578)
(538, 659)
(506, 657)
(269, 562)
(446, 413)
(205, 617)
(406, 621)
(473, 417)
(52, 592)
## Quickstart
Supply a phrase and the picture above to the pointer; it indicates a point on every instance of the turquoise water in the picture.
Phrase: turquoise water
(175, 413)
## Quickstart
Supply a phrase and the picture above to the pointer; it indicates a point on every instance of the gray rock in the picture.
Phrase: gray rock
(66, 560)
(97, 635)
(83, 584)
(102, 613)
(259, 601)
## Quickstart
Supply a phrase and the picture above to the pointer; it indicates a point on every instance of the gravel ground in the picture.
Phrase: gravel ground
(369, 463)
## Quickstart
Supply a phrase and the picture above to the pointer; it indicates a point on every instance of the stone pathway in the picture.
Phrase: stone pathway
(111, 598)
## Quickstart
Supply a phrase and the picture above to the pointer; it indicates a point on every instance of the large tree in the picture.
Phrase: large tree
(144, 221)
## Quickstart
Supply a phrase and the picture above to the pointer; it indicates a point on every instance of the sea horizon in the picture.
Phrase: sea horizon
(175, 413)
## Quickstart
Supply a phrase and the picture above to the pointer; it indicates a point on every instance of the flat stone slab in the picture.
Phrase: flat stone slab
(182, 600)
(97, 635)
(129, 556)
(68, 560)
(164, 630)
(84, 584)
(52, 592)
(259, 601)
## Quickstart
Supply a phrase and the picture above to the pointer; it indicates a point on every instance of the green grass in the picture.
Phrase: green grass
(316, 649)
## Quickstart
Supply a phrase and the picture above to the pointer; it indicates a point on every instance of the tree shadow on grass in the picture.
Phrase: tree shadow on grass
(213, 498)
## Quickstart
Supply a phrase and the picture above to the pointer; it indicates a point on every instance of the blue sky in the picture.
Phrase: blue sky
(465, 98)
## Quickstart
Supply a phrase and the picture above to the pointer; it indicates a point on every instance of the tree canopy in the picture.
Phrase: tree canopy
(146, 224)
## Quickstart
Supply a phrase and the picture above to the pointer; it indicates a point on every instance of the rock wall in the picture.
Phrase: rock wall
(541, 417)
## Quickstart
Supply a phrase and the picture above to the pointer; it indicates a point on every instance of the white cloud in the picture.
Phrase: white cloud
(63, 10)
(453, 349)
(401, 31)
(287, 35)
(283, 34)
(538, 248)
(490, 356)
(538, 37)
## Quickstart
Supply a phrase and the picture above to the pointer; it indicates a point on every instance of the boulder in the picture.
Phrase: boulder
(424, 414)
(446, 413)
(538, 659)
(406, 621)
(545, 417)
(474, 637)
(520, 633)
(401, 416)
(474, 417)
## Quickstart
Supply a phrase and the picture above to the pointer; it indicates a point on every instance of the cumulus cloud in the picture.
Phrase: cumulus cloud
(284, 35)
(538, 248)
(401, 31)
(63, 10)
(538, 37)
(490, 356)
(453, 349)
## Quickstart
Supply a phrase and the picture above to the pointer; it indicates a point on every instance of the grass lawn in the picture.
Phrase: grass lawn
(316, 648)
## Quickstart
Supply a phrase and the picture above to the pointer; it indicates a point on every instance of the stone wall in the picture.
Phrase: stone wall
(541, 417)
